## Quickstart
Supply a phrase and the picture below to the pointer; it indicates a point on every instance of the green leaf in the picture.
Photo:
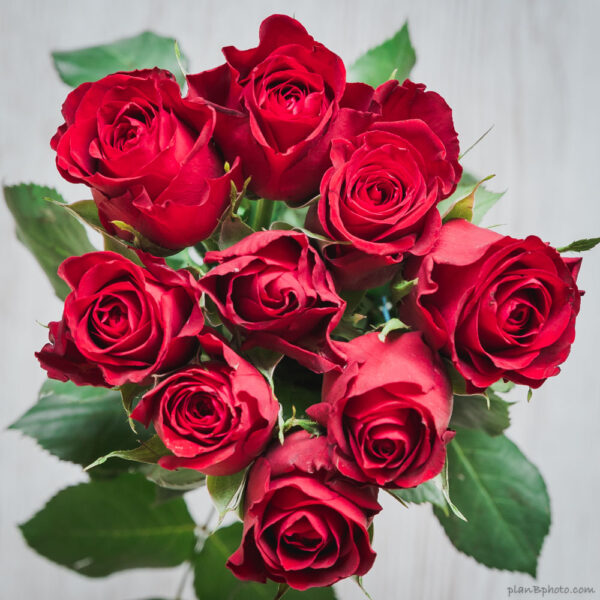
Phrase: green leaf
(294, 395)
(401, 288)
(444, 480)
(48, 232)
(101, 527)
(214, 581)
(484, 199)
(394, 58)
(178, 479)
(143, 51)
(86, 211)
(183, 260)
(233, 230)
(392, 325)
(473, 412)
(148, 452)
(504, 499)
(294, 216)
(77, 424)
(580, 245)
(226, 491)
(464, 208)
(426, 492)
(502, 387)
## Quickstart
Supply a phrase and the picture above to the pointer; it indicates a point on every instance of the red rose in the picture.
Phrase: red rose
(147, 156)
(302, 525)
(382, 190)
(122, 323)
(279, 105)
(387, 413)
(274, 289)
(216, 417)
(499, 307)
(411, 101)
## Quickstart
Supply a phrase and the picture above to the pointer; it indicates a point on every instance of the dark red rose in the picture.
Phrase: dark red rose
(274, 289)
(303, 525)
(381, 193)
(216, 417)
(279, 106)
(122, 323)
(147, 155)
(411, 101)
(499, 307)
(387, 413)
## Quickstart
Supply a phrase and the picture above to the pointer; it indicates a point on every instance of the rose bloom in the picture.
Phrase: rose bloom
(498, 307)
(387, 413)
(303, 525)
(279, 105)
(399, 102)
(147, 155)
(274, 289)
(122, 322)
(382, 191)
(216, 417)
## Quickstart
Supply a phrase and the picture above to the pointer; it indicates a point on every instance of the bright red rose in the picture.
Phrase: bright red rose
(303, 525)
(498, 307)
(382, 191)
(274, 289)
(387, 413)
(216, 417)
(122, 323)
(147, 155)
(399, 102)
(279, 105)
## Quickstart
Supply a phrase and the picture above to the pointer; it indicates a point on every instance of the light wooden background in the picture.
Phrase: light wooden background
(529, 67)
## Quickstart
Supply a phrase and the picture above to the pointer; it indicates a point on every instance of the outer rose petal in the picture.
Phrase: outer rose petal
(61, 359)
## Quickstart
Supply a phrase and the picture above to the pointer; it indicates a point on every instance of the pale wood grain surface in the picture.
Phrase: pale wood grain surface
(528, 67)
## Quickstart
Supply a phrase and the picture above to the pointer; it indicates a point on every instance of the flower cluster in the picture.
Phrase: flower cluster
(366, 170)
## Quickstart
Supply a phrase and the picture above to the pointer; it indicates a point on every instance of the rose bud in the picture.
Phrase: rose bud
(381, 194)
(216, 417)
(273, 288)
(147, 155)
(387, 413)
(122, 322)
(497, 306)
(399, 102)
(279, 105)
(303, 525)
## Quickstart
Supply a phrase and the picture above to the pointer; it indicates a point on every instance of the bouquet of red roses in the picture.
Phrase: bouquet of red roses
(295, 306)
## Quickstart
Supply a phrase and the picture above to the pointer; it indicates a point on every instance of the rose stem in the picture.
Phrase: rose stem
(264, 212)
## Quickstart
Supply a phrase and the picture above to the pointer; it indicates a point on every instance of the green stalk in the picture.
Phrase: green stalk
(264, 212)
